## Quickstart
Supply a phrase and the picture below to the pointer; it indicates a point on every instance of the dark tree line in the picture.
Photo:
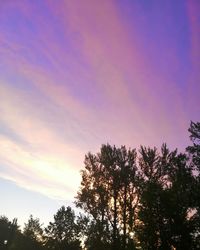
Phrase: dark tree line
(62, 233)
(145, 199)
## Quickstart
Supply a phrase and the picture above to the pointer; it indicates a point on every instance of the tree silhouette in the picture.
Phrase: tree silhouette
(165, 202)
(147, 200)
(33, 229)
(32, 237)
(194, 157)
(107, 193)
(194, 150)
(63, 232)
(8, 231)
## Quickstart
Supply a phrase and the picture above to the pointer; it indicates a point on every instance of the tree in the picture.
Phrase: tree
(149, 209)
(108, 195)
(93, 199)
(180, 203)
(63, 232)
(194, 150)
(8, 232)
(32, 237)
(194, 156)
(33, 229)
(163, 213)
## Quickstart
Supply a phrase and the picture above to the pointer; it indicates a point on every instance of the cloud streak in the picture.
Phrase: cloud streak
(77, 75)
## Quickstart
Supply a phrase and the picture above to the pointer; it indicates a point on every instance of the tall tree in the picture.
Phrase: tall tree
(149, 204)
(180, 202)
(107, 193)
(194, 156)
(166, 185)
(93, 198)
(194, 150)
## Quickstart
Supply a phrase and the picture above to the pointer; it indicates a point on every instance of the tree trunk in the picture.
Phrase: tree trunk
(115, 221)
(124, 217)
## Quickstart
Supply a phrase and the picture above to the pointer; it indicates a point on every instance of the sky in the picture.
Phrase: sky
(77, 74)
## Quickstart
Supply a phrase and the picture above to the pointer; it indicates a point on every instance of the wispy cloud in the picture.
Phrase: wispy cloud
(44, 161)
(79, 74)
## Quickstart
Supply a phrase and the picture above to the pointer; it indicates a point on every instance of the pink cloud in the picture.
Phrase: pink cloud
(136, 105)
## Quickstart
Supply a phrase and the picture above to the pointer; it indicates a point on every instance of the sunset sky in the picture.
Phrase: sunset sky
(76, 74)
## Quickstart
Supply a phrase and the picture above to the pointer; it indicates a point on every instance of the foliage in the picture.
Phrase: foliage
(108, 194)
(194, 157)
(145, 199)
(33, 229)
(8, 232)
(194, 150)
(63, 232)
